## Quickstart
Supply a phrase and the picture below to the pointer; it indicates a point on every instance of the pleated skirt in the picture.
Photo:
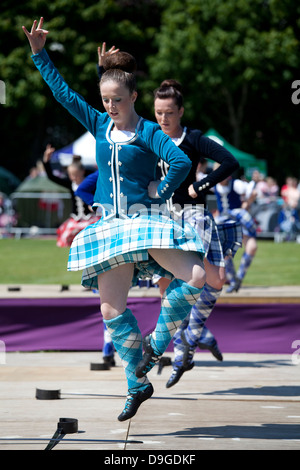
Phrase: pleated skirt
(109, 243)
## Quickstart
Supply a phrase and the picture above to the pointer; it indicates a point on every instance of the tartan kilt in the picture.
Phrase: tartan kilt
(231, 236)
(203, 222)
(218, 240)
(109, 243)
(69, 229)
(243, 217)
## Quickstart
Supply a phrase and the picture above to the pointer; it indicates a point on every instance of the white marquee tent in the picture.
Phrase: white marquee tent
(84, 146)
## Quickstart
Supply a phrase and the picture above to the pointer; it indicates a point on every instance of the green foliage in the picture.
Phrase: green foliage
(31, 118)
(236, 61)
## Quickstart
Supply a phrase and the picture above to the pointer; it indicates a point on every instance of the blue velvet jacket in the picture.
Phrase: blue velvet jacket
(125, 169)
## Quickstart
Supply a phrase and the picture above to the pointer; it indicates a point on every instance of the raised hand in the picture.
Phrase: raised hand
(37, 36)
(102, 54)
(48, 153)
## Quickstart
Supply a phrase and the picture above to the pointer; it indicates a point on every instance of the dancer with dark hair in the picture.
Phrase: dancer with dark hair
(189, 201)
(133, 236)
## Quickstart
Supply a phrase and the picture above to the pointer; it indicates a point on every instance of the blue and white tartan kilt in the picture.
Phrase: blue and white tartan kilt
(217, 240)
(107, 244)
(231, 237)
(203, 222)
(243, 217)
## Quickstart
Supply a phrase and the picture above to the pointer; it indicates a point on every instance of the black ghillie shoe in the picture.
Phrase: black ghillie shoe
(109, 360)
(213, 348)
(234, 286)
(188, 351)
(149, 359)
(133, 402)
(177, 374)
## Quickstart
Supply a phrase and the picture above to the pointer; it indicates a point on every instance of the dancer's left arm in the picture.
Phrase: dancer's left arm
(213, 151)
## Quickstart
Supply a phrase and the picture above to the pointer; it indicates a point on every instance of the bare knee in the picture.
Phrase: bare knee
(114, 300)
(250, 246)
(217, 283)
(109, 312)
(215, 275)
(198, 277)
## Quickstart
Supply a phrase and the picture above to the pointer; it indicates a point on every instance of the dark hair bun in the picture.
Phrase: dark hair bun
(120, 60)
(170, 82)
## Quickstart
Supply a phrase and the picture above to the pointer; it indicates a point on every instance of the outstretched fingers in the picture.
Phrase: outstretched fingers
(36, 29)
(102, 53)
(33, 27)
(41, 22)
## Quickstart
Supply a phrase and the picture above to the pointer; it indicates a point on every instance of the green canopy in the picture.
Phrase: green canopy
(40, 184)
(8, 181)
(246, 160)
(41, 202)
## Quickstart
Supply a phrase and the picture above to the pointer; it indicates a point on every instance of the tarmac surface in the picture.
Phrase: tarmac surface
(246, 402)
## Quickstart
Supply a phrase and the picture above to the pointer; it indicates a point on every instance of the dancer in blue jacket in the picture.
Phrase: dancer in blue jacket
(133, 235)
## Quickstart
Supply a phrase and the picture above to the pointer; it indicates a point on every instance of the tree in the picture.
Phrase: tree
(236, 60)
(31, 117)
(233, 60)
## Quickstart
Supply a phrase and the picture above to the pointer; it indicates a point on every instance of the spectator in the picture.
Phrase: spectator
(81, 215)
(290, 192)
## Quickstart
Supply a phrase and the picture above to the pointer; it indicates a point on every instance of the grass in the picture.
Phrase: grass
(40, 261)
(275, 264)
(35, 261)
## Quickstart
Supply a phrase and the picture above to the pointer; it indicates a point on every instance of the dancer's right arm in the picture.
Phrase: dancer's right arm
(71, 100)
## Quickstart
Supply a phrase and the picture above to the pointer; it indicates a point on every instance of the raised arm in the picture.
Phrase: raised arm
(65, 182)
(72, 101)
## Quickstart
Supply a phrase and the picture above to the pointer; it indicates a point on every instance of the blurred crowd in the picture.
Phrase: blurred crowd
(265, 199)
(263, 194)
(284, 200)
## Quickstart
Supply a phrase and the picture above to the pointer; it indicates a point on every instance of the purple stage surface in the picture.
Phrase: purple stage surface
(75, 324)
